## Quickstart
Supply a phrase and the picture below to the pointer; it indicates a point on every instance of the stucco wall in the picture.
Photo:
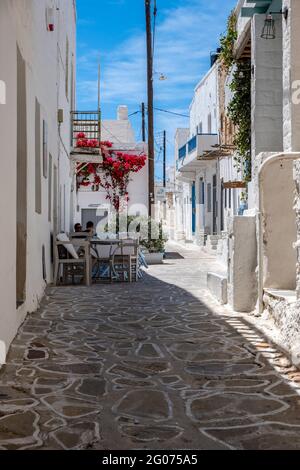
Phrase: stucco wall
(138, 196)
(24, 24)
(242, 283)
(291, 76)
(279, 226)
(267, 133)
(205, 103)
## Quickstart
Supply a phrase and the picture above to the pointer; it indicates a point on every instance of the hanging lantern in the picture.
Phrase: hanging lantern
(269, 31)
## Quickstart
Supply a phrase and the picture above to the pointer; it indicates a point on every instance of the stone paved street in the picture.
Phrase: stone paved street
(156, 365)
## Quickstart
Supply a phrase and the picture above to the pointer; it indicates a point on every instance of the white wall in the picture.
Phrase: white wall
(24, 24)
(205, 103)
(138, 196)
(291, 77)
(267, 134)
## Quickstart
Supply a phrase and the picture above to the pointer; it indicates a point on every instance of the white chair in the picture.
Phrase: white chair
(66, 257)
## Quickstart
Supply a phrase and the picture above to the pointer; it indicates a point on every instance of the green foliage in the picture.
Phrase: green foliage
(239, 111)
(152, 236)
(227, 42)
(156, 240)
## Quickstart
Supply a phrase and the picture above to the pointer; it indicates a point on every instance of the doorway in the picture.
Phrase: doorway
(215, 206)
(93, 215)
(194, 208)
(21, 187)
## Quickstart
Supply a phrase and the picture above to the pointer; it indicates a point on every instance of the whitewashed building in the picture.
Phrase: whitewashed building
(37, 72)
(264, 260)
(203, 166)
(93, 205)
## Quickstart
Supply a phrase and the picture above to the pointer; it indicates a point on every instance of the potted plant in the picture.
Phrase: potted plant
(153, 245)
(152, 237)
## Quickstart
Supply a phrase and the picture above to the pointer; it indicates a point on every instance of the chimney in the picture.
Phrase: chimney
(122, 113)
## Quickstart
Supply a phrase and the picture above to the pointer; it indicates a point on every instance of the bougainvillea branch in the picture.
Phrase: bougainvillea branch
(113, 175)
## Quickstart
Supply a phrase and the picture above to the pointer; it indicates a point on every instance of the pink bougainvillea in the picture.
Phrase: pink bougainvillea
(113, 175)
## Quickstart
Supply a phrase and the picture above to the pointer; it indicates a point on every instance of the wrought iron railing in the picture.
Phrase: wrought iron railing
(88, 122)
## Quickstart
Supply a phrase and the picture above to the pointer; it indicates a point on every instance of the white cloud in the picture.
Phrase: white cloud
(185, 36)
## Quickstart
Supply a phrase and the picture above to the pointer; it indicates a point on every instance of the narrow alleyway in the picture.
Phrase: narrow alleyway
(146, 366)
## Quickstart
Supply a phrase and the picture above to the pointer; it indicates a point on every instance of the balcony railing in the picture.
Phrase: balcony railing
(88, 122)
(201, 145)
(192, 144)
(182, 152)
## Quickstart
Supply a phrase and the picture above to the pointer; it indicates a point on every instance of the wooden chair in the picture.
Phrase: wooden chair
(71, 263)
(105, 258)
(126, 259)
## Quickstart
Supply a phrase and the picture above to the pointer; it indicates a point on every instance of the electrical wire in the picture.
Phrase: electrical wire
(136, 112)
(171, 112)
(115, 137)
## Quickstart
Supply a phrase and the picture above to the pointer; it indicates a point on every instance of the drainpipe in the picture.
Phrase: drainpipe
(265, 164)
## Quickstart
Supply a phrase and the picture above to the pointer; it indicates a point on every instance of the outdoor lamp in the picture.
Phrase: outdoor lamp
(269, 31)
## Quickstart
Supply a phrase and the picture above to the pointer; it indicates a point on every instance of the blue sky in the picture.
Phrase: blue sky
(114, 31)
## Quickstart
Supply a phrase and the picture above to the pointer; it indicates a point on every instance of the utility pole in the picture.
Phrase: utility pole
(165, 159)
(150, 105)
(143, 123)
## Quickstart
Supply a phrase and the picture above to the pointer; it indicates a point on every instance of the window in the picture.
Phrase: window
(67, 69)
(200, 128)
(72, 86)
(50, 190)
(202, 191)
(44, 263)
(209, 124)
(209, 197)
(45, 149)
(38, 182)
(21, 195)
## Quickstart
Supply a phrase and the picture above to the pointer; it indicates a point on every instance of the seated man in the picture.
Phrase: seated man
(90, 228)
(77, 228)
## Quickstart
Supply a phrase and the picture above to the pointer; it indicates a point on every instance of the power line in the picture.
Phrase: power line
(132, 114)
(162, 111)
(115, 137)
(171, 112)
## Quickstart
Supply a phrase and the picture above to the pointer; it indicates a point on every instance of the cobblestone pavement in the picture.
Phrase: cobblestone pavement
(156, 365)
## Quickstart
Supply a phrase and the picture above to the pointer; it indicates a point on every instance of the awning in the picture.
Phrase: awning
(220, 151)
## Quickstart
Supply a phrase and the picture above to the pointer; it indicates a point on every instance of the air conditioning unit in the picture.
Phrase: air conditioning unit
(50, 19)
